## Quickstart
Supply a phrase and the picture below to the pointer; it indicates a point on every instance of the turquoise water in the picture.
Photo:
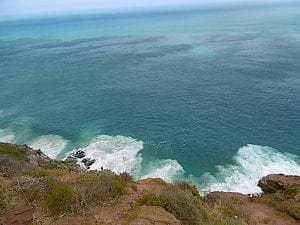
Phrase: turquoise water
(210, 96)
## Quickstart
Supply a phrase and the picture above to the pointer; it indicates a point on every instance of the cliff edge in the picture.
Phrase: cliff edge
(35, 189)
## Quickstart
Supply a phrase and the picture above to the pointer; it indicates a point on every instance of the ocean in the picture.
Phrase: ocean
(210, 96)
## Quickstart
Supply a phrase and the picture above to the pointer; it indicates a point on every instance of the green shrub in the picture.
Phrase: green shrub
(181, 203)
(32, 194)
(12, 152)
(59, 198)
(43, 172)
(92, 190)
(283, 200)
(232, 208)
(190, 188)
(97, 187)
(150, 199)
(36, 172)
(185, 203)
(118, 187)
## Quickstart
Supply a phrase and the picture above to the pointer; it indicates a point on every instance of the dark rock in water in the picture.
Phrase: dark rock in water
(88, 162)
(79, 154)
(274, 182)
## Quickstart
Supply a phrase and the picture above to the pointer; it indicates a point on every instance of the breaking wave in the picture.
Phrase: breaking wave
(123, 154)
(251, 162)
(118, 153)
(6, 136)
(168, 170)
(50, 144)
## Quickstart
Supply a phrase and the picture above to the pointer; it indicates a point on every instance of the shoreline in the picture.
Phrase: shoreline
(112, 195)
(227, 177)
(63, 192)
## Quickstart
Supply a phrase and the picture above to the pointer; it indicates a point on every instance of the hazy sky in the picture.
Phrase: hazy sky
(12, 8)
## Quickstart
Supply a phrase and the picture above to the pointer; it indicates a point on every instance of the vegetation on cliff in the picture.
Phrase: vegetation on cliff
(37, 190)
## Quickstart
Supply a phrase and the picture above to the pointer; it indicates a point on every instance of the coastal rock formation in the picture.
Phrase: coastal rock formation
(80, 155)
(19, 215)
(274, 182)
(35, 189)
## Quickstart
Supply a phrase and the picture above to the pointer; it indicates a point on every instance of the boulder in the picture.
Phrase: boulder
(274, 182)
(88, 161)
(79, 154)
(19, 215)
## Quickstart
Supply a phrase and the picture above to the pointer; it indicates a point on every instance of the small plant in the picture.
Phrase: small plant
(60, 198)
(283, 200)
(190, 188)
(97, 187)
(126, 177)
(118, 187)
(150, 199)
(12, 152)
(43, 172)
(36, 172)
(182, 203)
(185, 203)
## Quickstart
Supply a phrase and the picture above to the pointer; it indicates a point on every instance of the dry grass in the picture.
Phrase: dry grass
(60, 198)
(287, 201)
(182, 201)
(17, 153)
(93, 188)
(44, 172)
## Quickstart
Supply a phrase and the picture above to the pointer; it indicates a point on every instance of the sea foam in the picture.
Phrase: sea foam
(117, 153)
(168, 170)
(123, 154)
(251, 163)
(50, 144)
(6, 136)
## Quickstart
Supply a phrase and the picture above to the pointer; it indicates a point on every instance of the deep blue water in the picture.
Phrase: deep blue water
(191, 88)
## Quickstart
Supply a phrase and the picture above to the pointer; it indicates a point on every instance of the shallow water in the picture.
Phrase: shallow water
(168, 95)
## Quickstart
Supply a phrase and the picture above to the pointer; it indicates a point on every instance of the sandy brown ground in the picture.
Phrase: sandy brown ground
(257, 214)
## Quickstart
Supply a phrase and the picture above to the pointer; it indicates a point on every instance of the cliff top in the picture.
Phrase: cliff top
(35, 189)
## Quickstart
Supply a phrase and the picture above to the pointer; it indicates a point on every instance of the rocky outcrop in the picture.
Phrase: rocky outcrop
(19, 215)
(15, 158)
(80, 155)
(24, 185)
(274, 182)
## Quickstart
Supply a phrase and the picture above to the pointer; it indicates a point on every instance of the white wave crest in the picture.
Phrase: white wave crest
(122, 154)
(252, 162)
(51, 145)
(7, 136)
(116, 153)
(168, 170)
